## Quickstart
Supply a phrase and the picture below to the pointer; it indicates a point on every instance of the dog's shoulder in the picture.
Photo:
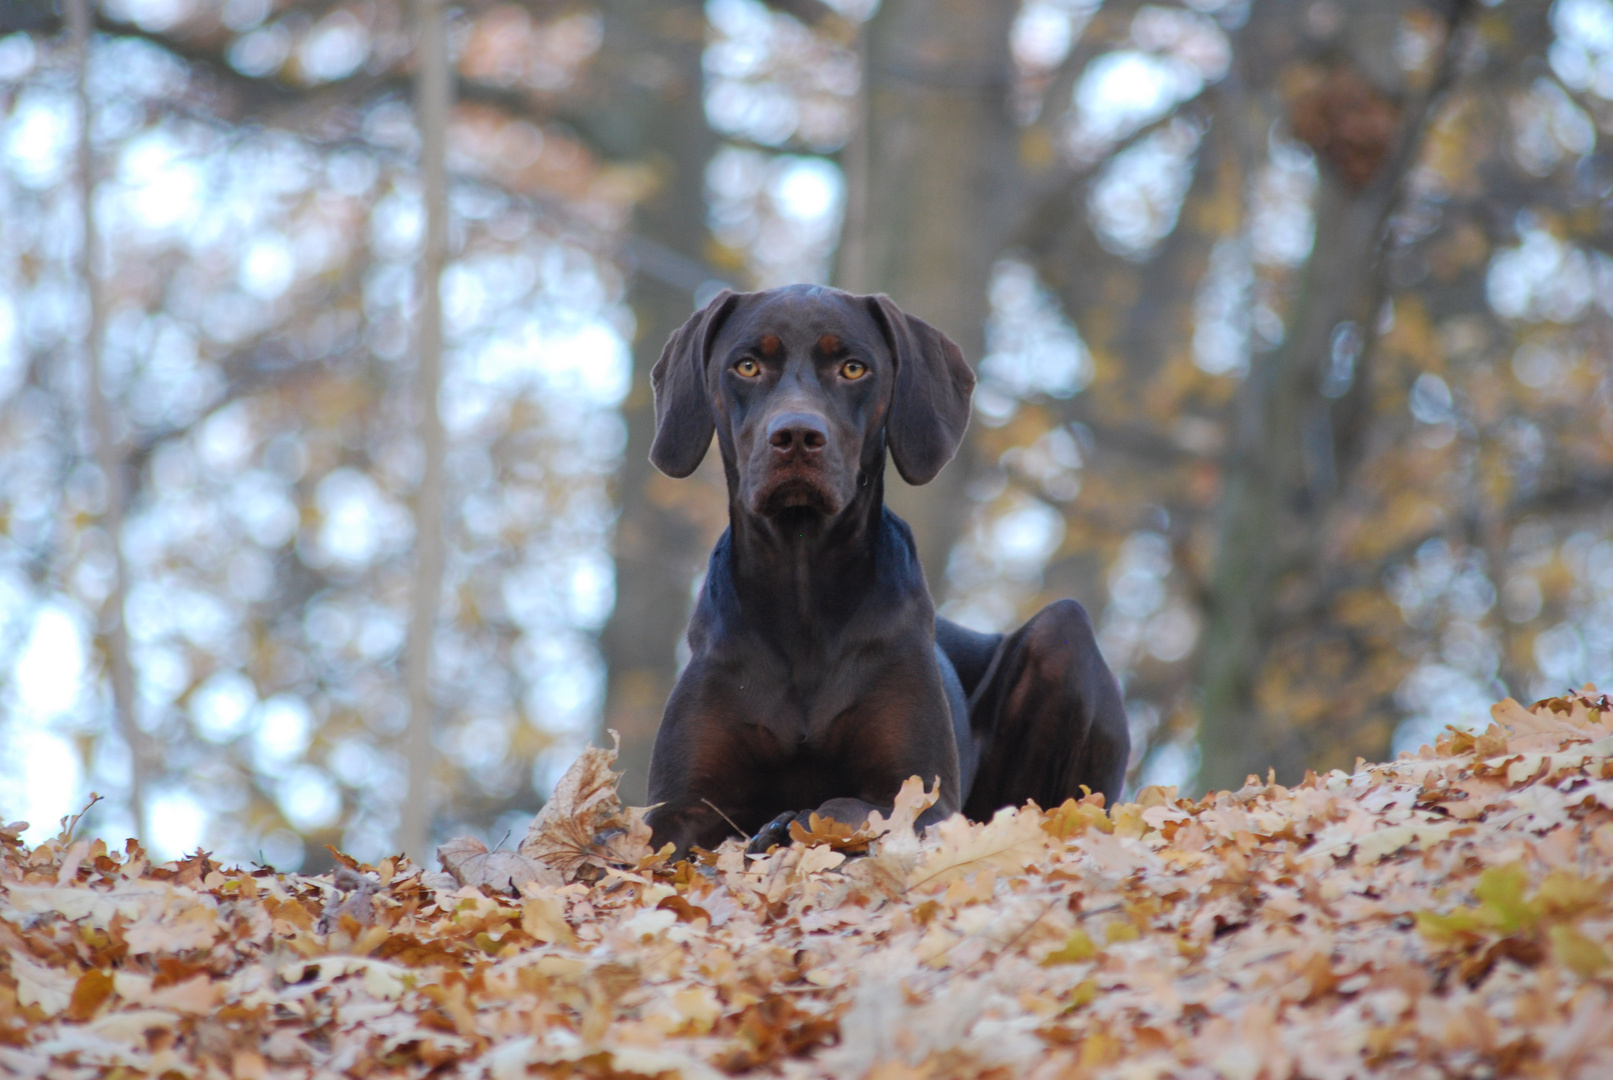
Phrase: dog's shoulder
(898, 557)
(717, 609)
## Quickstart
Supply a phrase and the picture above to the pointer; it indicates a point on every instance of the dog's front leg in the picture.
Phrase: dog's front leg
(853, 812)
(687, 826)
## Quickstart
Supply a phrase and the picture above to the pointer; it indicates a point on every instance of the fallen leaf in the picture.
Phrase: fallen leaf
(1449, 914)
(584, 823)
(469, 861)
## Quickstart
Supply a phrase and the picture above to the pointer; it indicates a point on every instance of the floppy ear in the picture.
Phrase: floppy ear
(930, 408)
(683, 423)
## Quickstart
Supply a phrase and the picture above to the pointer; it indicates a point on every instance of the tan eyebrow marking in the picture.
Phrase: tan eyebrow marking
(830, 344)
(770, 344)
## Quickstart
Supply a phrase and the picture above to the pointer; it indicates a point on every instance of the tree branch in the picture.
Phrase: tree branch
(1352, 413)
(819, 16)
(1061, 179)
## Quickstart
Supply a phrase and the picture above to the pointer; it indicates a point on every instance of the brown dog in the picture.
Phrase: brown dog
(820, 678)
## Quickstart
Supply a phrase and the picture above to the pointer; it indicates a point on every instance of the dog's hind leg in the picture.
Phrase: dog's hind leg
(1050, 716)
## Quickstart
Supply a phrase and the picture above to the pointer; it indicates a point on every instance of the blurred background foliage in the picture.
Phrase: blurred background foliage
(1292, 321)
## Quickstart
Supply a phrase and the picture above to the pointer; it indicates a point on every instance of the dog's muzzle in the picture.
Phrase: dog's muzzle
(796, 470)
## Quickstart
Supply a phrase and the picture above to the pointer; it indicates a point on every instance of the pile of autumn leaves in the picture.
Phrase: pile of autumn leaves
(1449, 914)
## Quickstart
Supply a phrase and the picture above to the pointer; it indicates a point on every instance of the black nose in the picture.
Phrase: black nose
(795, 432)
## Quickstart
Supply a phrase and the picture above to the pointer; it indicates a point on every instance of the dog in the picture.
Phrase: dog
(819, 676)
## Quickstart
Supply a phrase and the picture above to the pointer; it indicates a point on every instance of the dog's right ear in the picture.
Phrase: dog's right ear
(683, 422)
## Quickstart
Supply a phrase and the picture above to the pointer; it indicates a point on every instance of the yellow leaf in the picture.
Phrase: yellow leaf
(1500, 891)
(1121, 931)
(1077, 949)
(1463, 924)
(1099, 1049)
(1156, 795)
(1084, 993)
(1128, 821)
(543, 915)
(1576, 952)
(1565, 894)
(1073, 818)
(698, 1006)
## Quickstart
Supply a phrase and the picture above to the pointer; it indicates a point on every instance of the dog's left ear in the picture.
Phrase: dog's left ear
(930, 407)
(683, 422)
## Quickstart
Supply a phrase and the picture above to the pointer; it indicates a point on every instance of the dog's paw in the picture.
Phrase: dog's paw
(775, 833)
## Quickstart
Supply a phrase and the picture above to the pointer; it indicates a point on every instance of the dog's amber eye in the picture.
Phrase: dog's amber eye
(854, 369)
(748, 368)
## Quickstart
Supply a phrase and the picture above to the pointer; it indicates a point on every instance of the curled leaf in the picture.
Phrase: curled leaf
(584, 827)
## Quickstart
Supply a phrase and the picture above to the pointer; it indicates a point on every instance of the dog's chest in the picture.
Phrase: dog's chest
(802, 701)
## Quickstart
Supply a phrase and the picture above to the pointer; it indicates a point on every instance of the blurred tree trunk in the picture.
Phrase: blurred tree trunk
(114, 633)
(1273, 494)
(433, 91)
(650, 64)
(1292, 447)
(930, 174)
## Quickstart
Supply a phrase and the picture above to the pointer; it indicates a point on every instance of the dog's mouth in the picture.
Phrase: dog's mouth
(797, 494)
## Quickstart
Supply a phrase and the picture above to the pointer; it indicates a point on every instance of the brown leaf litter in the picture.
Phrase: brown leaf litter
(1449, 914)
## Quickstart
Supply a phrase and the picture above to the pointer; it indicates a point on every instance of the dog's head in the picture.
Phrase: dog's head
(805, 387)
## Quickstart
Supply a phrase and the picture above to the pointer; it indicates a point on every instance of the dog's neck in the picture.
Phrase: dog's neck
(804, 565)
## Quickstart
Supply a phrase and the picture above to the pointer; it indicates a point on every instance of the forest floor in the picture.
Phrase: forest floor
(1446, 914)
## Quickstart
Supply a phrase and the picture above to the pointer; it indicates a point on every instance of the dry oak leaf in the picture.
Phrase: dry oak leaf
(197, 996)
(469, 861)
(911, 801)
(49, 989)
(1585, 710)
(1012, 840)
(515, 1057)
(899, 845)
(130, 899)
(828, 832)
(898, 834)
